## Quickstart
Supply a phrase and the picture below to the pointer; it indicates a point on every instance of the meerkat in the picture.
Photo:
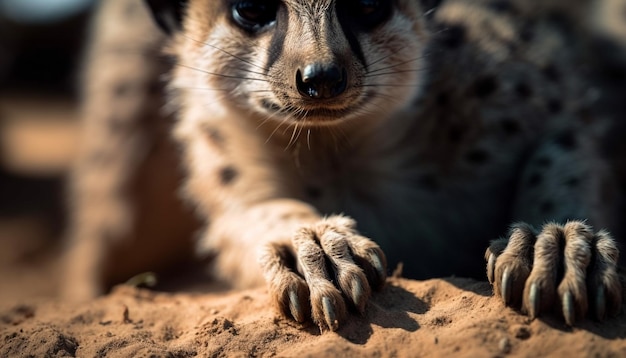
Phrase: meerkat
(321, 142)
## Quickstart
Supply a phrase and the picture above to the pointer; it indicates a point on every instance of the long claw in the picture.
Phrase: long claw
(568, 308)
(378, 265)
(357, 295)
(534, 301)
(506, 286)
(294, 307)
(491, 266)
(329, 314)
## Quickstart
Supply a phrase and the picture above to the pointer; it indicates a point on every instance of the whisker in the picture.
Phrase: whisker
(380, 59)
(226, 52)
(293, 136)
(220, 74)
(265, 50)
(241, 69)
(393, 73)
(396, 64)
(276, 129)
(269, 117)
(268, 79)
(300, 132)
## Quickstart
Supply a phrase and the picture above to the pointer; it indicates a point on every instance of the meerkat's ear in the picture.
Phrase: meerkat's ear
(168, 14)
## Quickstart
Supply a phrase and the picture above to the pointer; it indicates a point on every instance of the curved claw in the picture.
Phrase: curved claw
(357, 294)
(534, 301)
(329, 314)
(491, 267)
(294, 307)
(378, 265)
(506, 286)
(533, 259)
(568, 308)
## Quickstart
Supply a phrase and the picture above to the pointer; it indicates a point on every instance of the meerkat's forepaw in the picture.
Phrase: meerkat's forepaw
(326, 267)
(564, 266)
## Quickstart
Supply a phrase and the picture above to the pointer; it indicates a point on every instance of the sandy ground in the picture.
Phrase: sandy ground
(439, 317)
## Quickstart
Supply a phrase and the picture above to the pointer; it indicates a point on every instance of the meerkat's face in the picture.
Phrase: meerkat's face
(307, 61)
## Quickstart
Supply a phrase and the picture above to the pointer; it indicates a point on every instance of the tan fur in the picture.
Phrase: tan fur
(452, 125)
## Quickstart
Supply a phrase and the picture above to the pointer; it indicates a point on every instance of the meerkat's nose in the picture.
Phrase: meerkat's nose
(321, 80)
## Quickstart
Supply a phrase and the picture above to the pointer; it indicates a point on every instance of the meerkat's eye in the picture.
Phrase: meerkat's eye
(253, 15)
(367, 14)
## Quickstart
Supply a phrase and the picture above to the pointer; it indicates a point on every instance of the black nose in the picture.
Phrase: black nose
(321, 81)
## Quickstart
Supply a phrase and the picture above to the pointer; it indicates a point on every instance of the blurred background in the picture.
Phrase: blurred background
(40, 50)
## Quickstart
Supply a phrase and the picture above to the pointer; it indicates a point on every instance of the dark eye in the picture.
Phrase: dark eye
(369, 13)
(253, 15)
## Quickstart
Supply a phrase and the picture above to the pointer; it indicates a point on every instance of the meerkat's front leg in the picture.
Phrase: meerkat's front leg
(312, 264)
(567, 266)
(321, 255)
